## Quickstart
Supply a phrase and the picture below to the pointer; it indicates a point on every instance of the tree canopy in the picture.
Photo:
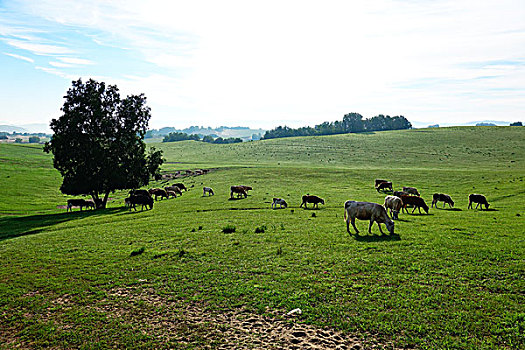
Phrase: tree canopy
(98, 142)
(352, 122)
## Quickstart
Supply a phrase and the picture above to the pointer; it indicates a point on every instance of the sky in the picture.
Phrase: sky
(269, 63)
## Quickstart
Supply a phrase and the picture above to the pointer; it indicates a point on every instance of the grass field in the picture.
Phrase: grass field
(452, 279)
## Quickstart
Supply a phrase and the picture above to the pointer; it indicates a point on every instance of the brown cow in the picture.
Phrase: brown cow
(416, 201)
(441, 197)
(181, 186)
(158, 192)
(367, 211)
(311, 199)
(411, 190)
(239, 190)
(174, 189)
(171, 193)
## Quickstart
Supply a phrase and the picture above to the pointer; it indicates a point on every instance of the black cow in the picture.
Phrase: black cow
(477, 198)
(441, 197)
(311, 199)
(133, 200)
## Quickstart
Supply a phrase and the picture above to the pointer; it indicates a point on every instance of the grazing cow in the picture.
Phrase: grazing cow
(181, 186)
(367, 211)
(478, 198)
(158, 192)
(127, 202)
(384, 186)
(246, 188)
(79, 203)
(140, 193)
(411, 190)
(171, 193)
(281, 202)
(441, 197)
(416, 201)
(133, 200)
(400, 193)
(311, 199)
(395, 204)
(239, 190)
(378, 182)
(207, 190)
(174, 189)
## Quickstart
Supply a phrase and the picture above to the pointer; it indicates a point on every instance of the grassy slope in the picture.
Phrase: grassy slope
(454, 278)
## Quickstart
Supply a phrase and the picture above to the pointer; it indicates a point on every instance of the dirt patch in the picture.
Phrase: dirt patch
(176, 323)
(231, 329)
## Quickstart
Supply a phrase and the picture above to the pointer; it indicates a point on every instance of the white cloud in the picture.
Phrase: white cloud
(303, 61)
(75, 61)
(24, 58)
(39, 49)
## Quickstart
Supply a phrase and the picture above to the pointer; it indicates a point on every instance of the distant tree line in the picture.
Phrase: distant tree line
(181, 136)
(352, 122)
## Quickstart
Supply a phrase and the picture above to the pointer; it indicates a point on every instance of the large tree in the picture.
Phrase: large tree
(98, 142)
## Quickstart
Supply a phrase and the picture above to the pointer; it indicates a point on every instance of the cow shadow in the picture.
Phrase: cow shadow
(236, 198)
(450, 209)
(376, 238)
(18, 226)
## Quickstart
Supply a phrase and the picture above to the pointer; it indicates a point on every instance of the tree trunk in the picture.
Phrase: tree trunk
(99, 204)
(105, 200)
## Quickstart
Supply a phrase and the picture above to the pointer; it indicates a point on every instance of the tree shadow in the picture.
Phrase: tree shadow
(18, 226)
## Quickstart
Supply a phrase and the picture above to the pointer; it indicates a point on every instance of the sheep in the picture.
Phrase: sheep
(279, 201)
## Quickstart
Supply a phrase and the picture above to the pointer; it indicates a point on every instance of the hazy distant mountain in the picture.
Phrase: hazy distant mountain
(417, 124)
(26, 128)
(12, 128)
(489, 122)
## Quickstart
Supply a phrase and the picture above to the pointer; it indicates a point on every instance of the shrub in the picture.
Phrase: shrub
(138, 251)
(228, 229)
(261, 229)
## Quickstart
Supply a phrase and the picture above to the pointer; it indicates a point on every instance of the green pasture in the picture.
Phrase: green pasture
(452, 279)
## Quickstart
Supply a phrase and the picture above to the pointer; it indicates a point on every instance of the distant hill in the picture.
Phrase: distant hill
(12, 128)
(27, 128)
(242, 132)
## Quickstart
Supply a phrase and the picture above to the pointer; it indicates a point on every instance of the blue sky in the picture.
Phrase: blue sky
(263, 64)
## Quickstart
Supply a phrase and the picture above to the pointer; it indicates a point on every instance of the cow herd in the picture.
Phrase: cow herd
(397, 202)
